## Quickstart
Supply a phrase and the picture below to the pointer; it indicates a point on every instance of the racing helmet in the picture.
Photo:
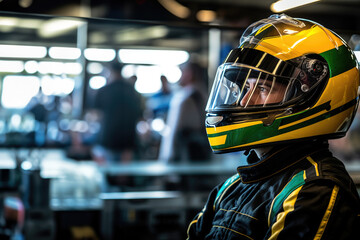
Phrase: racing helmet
(290, 79)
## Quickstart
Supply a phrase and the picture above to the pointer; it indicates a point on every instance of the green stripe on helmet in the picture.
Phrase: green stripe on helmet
(258, 132)
(340, 60)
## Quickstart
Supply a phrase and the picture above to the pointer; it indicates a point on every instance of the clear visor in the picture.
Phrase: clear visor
(238, 85)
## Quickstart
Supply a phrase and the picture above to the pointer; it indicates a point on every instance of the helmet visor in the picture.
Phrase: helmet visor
(242, 86)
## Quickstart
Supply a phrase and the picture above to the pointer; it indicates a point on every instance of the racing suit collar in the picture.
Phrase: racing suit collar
(277, 160)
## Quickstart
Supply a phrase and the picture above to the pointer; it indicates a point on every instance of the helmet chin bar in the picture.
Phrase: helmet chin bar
(267, 117)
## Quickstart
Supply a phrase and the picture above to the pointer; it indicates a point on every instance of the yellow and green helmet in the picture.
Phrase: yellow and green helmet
(315, 69)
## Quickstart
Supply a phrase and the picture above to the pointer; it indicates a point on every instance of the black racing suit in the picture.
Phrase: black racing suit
(294, 192)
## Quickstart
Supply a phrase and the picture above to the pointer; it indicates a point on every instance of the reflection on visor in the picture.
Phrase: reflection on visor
(260, 60)
(247, 87)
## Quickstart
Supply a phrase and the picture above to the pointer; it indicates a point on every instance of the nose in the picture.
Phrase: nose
(246, 100)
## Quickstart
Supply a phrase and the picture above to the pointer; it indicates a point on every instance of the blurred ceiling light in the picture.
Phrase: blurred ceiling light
(57, 85)
(8, 21)
(97, 37)
(175, 8)
(128, 70)
(58, 68)
(11, 66)
(156, 57)
(95, 68)
(283, 5)
(206, 15)
(76, 9)
(67, 86)
(46, 67)
(101, 55)
(148, 79)
(31, 67)
(183, 43)
(64, 52)
(72, 68)
(21, 51)
(29, 23)
(58, 26)
(97, 82)
(7, 24)
(173, 74)
(136, 34)
(25, 3)
(18, 90)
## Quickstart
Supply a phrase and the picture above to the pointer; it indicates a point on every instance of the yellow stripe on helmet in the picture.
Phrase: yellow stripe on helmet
(299, 43)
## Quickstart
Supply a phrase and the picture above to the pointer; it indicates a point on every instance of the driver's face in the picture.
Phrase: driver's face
(262, 92)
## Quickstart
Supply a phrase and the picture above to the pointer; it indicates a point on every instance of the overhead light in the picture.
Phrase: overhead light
(25, 3)
(11, 66)
(21, 51)
(95, 68)
(58, 68)
(173, 73)
(7, 24)
(148, 79)
(97, 37)
(64, 52)
(101, 55)
(31, 66)
(136, 34)
(18, 90)
(59, 86)
(155, 57)
(8, 21)
(73, 68)
(46, 67)
(175, 8)
(206, 15)
(283, 5)
(58, 26)
(97, 82)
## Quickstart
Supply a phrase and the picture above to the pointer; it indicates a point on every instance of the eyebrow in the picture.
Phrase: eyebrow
(265, 83)
(262, 82)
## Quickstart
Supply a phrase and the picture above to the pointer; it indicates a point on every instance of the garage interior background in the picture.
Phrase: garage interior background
(51, 187)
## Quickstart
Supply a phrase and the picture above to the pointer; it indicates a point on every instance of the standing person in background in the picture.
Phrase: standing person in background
(185, 139)
(290, 86)
(120, 109)
(158, 103)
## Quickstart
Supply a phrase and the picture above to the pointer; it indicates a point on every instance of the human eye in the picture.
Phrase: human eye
(263, 89)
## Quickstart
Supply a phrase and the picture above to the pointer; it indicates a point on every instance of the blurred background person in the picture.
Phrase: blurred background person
(184, 139)
(158, 103)
(155, 113)
(119, 108)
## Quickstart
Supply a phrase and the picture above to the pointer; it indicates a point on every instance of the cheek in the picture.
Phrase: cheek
(276, 97)
(263, 97)
(259, 98)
